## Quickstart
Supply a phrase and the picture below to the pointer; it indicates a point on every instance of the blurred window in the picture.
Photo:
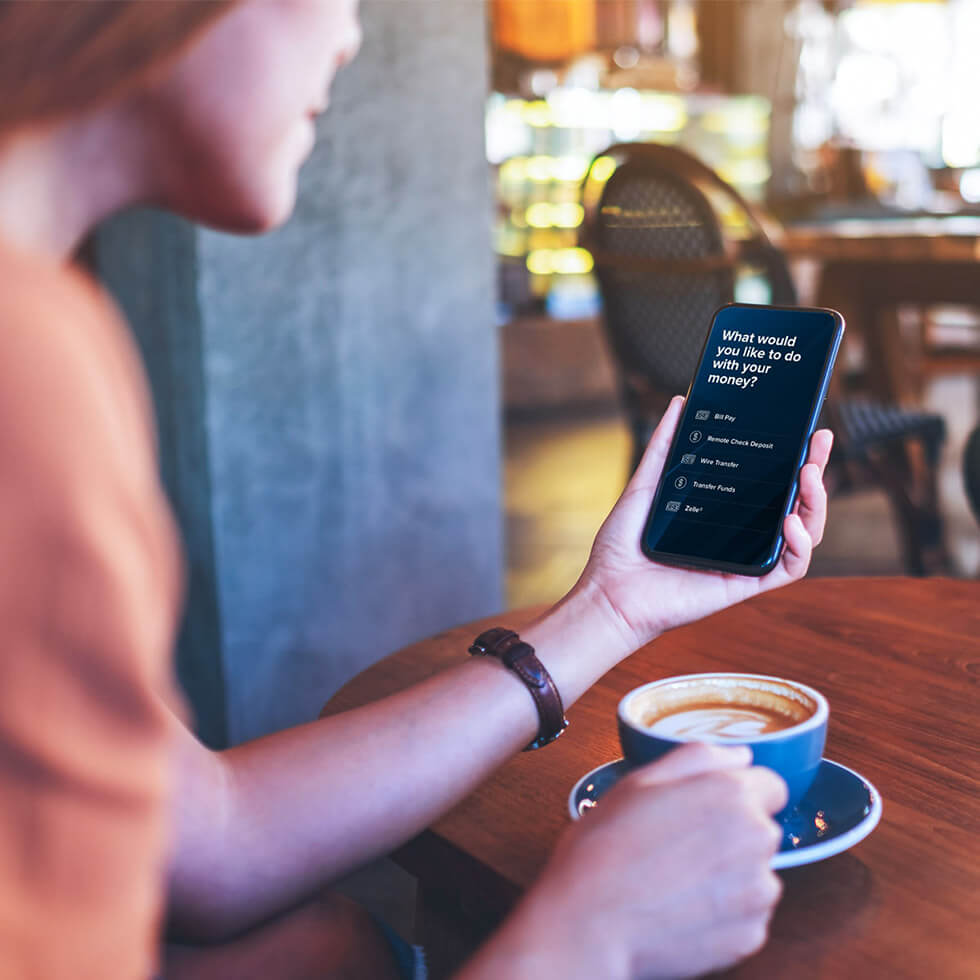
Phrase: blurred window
(897, 80)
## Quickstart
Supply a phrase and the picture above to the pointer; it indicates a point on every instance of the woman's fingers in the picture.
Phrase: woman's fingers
(693, 759)
(799, 547)
(803, 529)
(812, 509)
(820, 445)
(812, 504)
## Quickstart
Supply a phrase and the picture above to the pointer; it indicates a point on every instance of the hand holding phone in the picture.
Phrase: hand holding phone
(633, 600)
(732, 471)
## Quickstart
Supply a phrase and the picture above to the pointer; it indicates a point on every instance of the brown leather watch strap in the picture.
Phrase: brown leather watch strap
(507, 647)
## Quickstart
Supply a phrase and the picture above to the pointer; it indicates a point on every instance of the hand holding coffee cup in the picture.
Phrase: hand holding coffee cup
(672, 873)
(701, 822)
(783, 722)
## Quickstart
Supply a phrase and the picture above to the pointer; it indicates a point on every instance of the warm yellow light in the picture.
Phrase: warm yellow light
(571, 169)
(744, 118)
(664, 113)
(602, 169)
(568, 215)
(540, 262)
(537, 114)
(513, 171)
(539, 169)
(572, 261)
(732, 215)
(744, 173)
(539, 215)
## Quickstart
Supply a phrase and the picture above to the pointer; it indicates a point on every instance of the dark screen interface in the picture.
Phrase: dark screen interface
(741, 438)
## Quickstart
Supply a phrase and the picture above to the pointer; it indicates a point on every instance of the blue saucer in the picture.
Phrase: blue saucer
(840, 809)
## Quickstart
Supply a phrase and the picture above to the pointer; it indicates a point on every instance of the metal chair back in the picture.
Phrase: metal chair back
(665, 262)
(971, 471)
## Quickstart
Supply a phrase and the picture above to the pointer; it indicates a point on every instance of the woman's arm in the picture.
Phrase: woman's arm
(268, 822)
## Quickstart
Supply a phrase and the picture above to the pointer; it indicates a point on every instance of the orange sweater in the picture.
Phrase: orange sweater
(90, 582)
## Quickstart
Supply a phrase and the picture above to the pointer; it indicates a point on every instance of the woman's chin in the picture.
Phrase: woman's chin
(258, 222)
(252, 214)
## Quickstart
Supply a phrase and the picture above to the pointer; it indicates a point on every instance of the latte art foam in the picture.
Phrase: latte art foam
(719, 721)
(719, 707)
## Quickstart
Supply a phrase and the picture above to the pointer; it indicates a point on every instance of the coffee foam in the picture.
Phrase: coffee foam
(720, 707)
(720, 721)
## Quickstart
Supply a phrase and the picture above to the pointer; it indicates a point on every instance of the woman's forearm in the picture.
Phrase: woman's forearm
(270, 821)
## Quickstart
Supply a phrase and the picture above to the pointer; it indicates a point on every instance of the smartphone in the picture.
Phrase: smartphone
(732, 472)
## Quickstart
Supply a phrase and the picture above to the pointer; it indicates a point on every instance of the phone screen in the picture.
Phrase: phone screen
(730, 477)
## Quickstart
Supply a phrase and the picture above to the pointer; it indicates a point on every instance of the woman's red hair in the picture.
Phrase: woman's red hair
(62, 57)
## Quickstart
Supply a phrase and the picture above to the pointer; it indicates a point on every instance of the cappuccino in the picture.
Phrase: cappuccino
(718, 720)
(721, 707)
(782, 721)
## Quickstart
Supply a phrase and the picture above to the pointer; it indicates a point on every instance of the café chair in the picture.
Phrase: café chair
(947, 342)
(971, 471)
(669, 238)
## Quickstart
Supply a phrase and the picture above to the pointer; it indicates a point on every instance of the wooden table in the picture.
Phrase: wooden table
(952, 238)
(871, 266)
(899, 660)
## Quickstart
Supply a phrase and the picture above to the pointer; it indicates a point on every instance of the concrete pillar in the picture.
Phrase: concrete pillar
(149, 262)
(347, 430)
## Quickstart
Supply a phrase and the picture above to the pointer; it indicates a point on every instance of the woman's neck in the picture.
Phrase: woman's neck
(57, 182)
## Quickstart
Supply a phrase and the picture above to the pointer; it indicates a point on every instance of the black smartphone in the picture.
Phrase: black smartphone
(732, 472)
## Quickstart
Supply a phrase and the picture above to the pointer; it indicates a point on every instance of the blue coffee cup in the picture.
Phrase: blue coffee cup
(783, 722)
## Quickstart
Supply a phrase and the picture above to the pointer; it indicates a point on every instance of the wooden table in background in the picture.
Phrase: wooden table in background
(899, 661)
(871, 266)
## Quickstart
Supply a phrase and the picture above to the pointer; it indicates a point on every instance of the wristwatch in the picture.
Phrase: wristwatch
(516, 655)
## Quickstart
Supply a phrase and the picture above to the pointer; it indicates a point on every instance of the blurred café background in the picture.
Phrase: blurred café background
(853, 120)
(409, 407)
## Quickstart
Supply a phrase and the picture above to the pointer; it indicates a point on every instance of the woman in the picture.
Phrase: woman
(109, 801)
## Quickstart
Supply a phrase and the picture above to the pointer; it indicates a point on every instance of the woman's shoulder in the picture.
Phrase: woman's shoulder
(49, 313)
(37, 289)
(72, 395)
